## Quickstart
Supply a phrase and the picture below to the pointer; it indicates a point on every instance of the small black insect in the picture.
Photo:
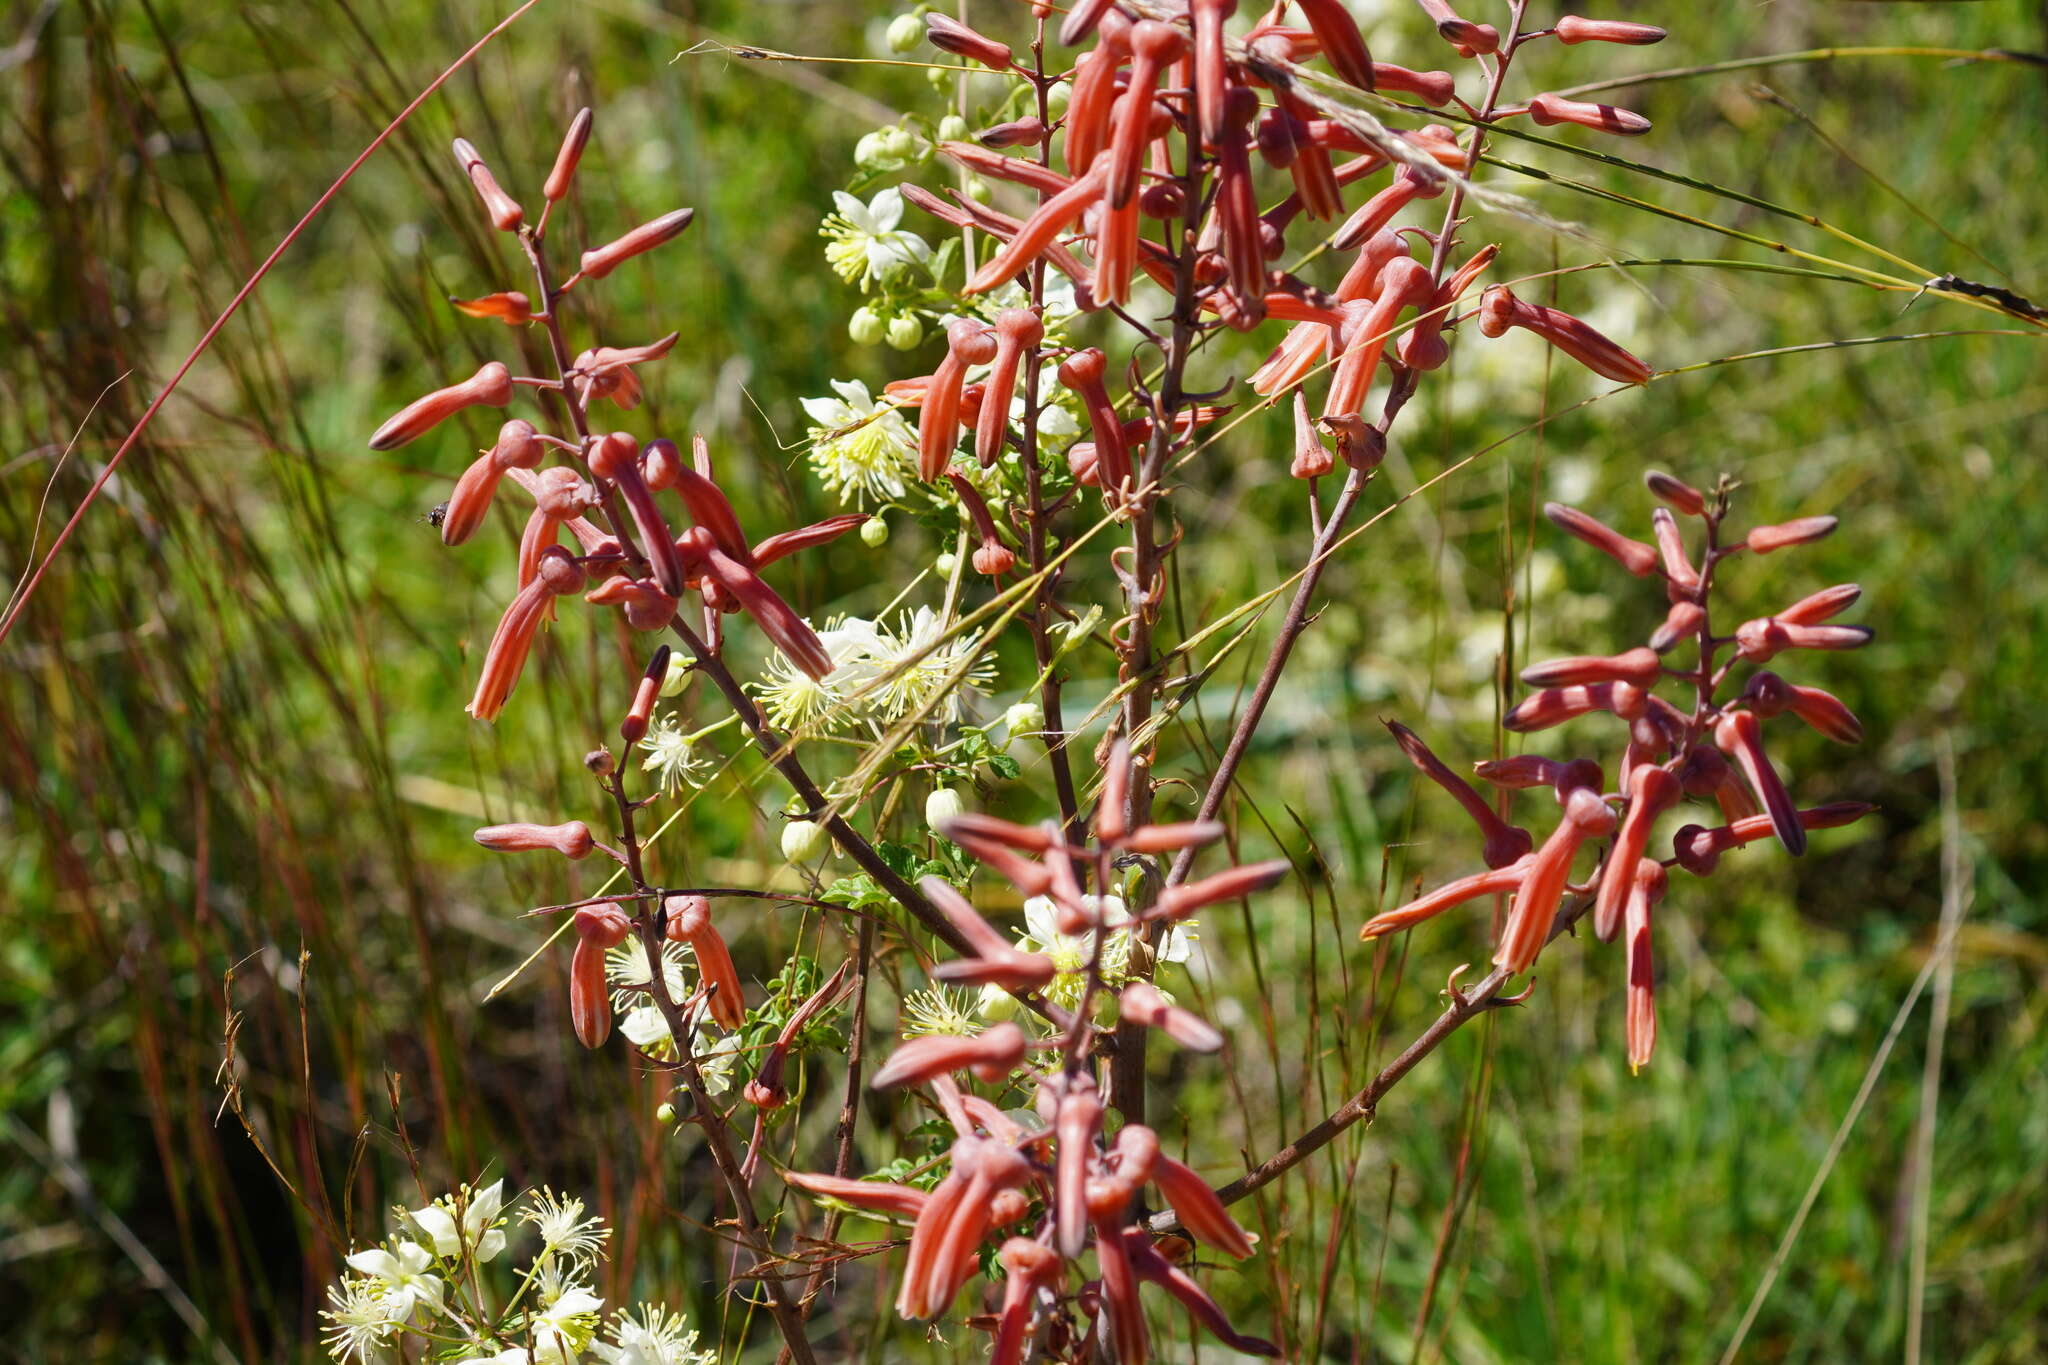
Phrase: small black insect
(435, 515)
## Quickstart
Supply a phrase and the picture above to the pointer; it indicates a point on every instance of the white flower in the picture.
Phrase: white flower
(647, 1029)
(657, 1338)
(360, 1320)
(915, 664)
(479, 1229)
(940, 1009)
(1053, 419)
(671, 754)
(860, 448)
(794, 699)
(564, 1231)
(402, 1278)
(567, 1320)
(942, 805)
(1071, 953)
(625, 967)
(863, 243)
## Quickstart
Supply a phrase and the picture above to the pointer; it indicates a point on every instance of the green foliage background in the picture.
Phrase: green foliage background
(236, 783)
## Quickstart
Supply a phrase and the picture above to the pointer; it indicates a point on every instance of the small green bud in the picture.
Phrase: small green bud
(906, 31)
(802, 840)
(944, 564)
(1025, 718)
(898, 142)
(996, 1004)
(905, 331)
(1058, 98)
(943, 804)
(866, 326)
(941, 77)
(978, 190)
(681, 668)
(952, 128)
(868, 153)
(874, 532)
(664, 1113)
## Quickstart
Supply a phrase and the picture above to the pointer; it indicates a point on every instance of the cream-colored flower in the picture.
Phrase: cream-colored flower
(861, 449)
(863, 243)
(465, 1221)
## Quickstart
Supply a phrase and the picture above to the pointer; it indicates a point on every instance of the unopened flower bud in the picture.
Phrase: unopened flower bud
(944, 565)
(906, 31)
(905, 331)
(802, 840)
(1573, 29)
(874, 532)
(600, 761)
(664, 1112)
(1025, 718)
(865, 326)
(681, 667)
(952, 128)
(942, 805)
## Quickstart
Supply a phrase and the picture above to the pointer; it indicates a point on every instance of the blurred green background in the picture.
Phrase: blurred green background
(237, 785)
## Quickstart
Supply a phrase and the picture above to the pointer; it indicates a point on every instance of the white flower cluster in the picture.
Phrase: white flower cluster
(1071, 953)
(423, 1285)
(883, 672)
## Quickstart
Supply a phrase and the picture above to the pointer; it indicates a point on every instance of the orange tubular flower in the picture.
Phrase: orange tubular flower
(992, 1056)
(1638, 558)
(1765, 638)
(1212, 72)
(1017, 330)
(491, 384)
(938, 423)
(567, 157)
(1549, 110)
(1804, 531)
(1768, 695)
(1505, 843)
(1093, 101)
(510, 307)
(1017, 169)
(557, 574)
(1039, 230)
(1821, 606)
(1228, 885)
(1154, 47)
(790, 632)
(878, 1196)
(991, 556)
(1082, 373)
(1586, 816)
(602, 261)
(1141, 1003)
(1423, 346)
(1145, 1260)
(642, 708)
(1237, 211)
(1116, 252)
(1652, 791)
(506, 215)
(1198, 1208)
(1409, 185)
(1027, 1268)
(1431, 87)
(689, 921)
(598, 928)
(1639, 666)
(1077, 1118)
(1404, 282)
(572, 840)
(616, 459)
(1572, 30)
(1492, 882)
(1645, 888)
(950, 35)
(1499, 310)
(1482, 39)
(1699, 850)
(1342, 44)
(516, 448)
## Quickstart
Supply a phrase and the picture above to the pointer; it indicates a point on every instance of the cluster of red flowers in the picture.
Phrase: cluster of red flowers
(1709, 749)
(1081, 1182)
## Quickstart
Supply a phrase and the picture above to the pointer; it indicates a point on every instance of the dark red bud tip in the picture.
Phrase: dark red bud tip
(1638, 558)
(1765, 539)
(1548, 109)
(950, 35)
(601, 261)
(1677, 492)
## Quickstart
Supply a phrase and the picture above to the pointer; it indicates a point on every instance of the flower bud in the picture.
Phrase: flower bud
(1638, 558)
(1548, 109)
(865, 327)
(942, 805)
(1677, 492)
(601, 261)
(572, 840)
(566, 159)
(802, 840)
(1573, 29)
(874, 532)
(904, 332)
(1765, 539)
(952, 128)
(906, 31)
(1025, 718)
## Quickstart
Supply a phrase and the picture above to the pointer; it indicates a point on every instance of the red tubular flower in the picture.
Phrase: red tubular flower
(1033, 879)
(572, 840)
(992, 1056)
(1093, 101)
(1556, 705)
(1141, 1003)
(491, 384)
(510, 307)
(1318, 191)
(1212, 73)
(1408, 185)
(991, 556)
(938, 424)
(1198, 1208)
(1519, 771)
(470, 503)
(790, 633)
(641, 710)
(506, 214)
(616, 458)
(766, 1090)
(1296, 356)
(1116, 252)
(1572, 30)
(645, 605)
(1020, 170)
(1505, 843)
(1231, 884)
(1312, 459)
(1586, 816)
(1638, 558)
(1493, 882)
(1020, 132)
(1763, 639)
(602, 261)
(1237, 212)
(1123, 1314)
(1343, 45)
(1082, 373)
(598, 928)
(1677, 492)
(1824, 712)
(785, 543)
(1027, 1268)
(1548, 109)
(950, 35)
(1638, 666)
(557, 574)
(1017, 330)
(1699, 850)
(1651, 791)
(1149, 1265)
(1682, 622)
(1001, 226)
(1154, 47)
(1076, 1121)
(879, 1196)
(689, 921)
(1404, 282)
(1645, 888)
(1683, 579)
(1086, 17)
(563, 173)
(1499, 310)
(1423, 346)
(1740, 736)
(1431, 87)
(1821, 606)
(1804, 531)
(997, 1169)
(1482, 39)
